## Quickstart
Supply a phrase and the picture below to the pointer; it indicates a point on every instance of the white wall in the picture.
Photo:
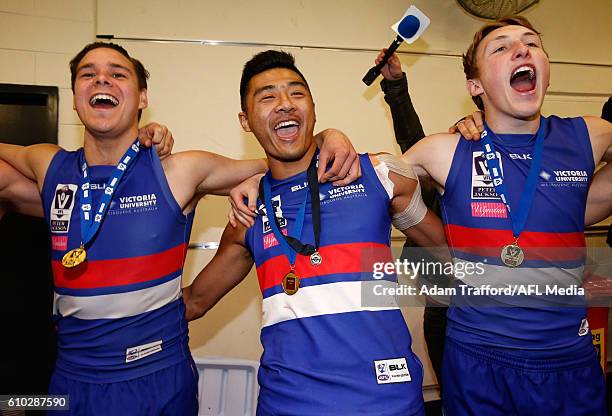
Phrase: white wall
(194, 88)
(37, 40)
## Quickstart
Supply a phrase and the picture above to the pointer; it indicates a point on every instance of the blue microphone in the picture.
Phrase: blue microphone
(409, 28)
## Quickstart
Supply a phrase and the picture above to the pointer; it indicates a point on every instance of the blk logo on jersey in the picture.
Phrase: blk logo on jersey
(392, 371)
(482, 183)
(62, 206)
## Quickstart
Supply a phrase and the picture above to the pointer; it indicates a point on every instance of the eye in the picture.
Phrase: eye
(298, 94)
(533, 44)
(118, 75)
(86, 75)
(500, 49)
(267, 97)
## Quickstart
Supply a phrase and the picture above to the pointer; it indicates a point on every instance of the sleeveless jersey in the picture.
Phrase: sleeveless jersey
(477, 226)
(326, 351)
(119, 315)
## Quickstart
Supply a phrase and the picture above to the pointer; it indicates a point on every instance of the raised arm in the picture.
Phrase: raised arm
(18, 193)
(406, 123)
(225, 271)
(30, 161)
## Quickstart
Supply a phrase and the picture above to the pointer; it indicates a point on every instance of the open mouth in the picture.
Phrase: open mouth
(523, 79)
(287, 128)
(102, 101)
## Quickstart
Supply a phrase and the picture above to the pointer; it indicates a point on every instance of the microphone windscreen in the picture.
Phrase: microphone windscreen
(409, 26)
(412, 25)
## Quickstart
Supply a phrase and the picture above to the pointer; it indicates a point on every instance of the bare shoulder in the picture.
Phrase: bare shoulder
(433, 156)
(600, 134)
(431, 146)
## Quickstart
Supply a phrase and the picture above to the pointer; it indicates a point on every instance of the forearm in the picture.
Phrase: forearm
(406, 123)
(227, 269)
(429, 232)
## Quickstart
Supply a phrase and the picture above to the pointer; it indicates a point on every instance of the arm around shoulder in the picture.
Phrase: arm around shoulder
(31, 161)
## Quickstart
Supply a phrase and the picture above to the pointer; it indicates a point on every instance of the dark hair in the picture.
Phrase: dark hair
(470, 67)
(262, 62)
(141, 72)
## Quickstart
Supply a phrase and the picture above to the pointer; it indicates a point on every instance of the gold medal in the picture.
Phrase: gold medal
(316, 259)
(291, 283)
(512, 255)
(74, 257)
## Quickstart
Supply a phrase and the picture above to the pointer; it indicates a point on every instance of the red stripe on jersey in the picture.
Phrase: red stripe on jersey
(338, 258)
(119, 272)
(537, 245)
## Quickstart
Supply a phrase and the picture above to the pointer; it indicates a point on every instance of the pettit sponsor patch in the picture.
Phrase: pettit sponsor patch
(482, 183)
(392, 371)
(62, 206)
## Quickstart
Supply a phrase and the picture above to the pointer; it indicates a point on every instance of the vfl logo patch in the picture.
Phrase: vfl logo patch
(489, 210)
(391, 371)
(62, 206)
(142, 351)
(276, 204)
(482, 183)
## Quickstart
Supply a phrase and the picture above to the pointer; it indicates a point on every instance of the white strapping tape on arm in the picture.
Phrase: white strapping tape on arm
(416, 209)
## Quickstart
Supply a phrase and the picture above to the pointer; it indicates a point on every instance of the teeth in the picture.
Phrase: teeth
(523, 69)
(286, 124)
(106, 97)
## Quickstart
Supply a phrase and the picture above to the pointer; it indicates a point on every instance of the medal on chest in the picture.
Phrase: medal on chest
(90, 222)
(290, 244)
(512, 255)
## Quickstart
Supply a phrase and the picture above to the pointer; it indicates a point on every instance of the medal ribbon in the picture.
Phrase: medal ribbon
(90, 225)
(526, 199)
(290, 244)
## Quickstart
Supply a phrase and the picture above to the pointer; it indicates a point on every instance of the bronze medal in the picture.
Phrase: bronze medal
(512, 255)
(74, 257)
(316, 259)
(291, 283)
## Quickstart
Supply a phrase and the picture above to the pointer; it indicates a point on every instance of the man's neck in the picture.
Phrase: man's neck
(504, 124)
(282, 170)
(107, 150)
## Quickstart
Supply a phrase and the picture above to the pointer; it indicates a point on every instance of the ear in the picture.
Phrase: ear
(474, 88)
(244, 121)
(144, 99)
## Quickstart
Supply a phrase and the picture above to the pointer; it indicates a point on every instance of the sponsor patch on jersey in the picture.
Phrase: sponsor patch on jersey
(142, 351)
(59, 242)
(489, 210)
(482, 183)
(62, 206)
(564, 178)
(392, 371)
(357, 190)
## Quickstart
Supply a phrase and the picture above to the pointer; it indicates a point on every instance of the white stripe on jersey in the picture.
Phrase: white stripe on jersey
(118, 305)
(326, 299)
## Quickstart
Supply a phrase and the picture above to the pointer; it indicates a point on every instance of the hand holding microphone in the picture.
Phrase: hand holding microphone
(409, 28)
